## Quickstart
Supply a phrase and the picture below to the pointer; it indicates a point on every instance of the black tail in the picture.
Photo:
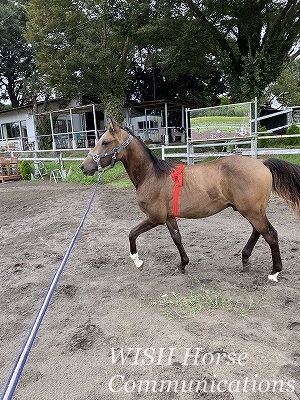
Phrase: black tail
(286, 181)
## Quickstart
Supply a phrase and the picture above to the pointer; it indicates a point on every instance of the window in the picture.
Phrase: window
(153, 124)
(62, 126)
(23, 127)
(10, 130)
(13, 130)
(142, 124)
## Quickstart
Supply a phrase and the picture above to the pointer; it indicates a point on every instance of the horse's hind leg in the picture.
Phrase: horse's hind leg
(175, 234)
(247, 250)
(263, 226)
(271, 238)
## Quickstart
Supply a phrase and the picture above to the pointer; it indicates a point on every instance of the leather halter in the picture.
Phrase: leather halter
(113, 153)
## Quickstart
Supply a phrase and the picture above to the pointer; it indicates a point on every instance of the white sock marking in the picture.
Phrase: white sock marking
(138, 263)
(273, 277)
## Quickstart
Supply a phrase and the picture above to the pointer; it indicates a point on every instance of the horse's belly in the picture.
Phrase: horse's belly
(203, 213)
(200, 207)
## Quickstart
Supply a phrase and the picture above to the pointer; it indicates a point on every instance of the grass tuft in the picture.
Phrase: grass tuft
(177, 306)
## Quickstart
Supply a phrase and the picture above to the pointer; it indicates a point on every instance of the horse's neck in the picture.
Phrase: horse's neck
(137, 162)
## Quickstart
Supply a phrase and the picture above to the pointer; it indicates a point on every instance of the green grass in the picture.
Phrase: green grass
(177, 306)
(293, 158)
(108, 176)
(218, 120)
(77, 176)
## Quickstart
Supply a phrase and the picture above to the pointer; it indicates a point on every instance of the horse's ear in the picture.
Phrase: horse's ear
(113, 126)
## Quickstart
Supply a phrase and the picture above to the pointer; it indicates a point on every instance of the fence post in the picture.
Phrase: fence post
(254, 146)
(163, 152)
(255, 134)
(190, 153)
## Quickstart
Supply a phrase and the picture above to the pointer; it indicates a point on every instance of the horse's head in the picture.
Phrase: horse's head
(107, 149)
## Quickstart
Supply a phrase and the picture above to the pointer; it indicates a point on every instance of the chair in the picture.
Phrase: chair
(55, 174)
(39, 169)
(30, 146)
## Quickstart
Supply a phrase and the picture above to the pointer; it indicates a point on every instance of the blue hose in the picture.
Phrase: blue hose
(22, 357)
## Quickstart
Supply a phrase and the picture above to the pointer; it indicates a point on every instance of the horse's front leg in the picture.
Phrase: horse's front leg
(247, 250)
(144, 226)
(175, 234)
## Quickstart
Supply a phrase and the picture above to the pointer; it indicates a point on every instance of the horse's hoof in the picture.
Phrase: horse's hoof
(246, 266)
(176, 271)
(141, 267)
(181, 270)
(273, 277)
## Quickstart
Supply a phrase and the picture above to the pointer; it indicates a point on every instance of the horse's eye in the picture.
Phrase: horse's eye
(105, 143)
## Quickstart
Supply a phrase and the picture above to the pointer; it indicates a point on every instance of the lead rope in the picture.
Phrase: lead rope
(24, 352)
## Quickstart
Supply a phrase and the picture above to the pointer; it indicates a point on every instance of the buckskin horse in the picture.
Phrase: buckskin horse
(165, 190)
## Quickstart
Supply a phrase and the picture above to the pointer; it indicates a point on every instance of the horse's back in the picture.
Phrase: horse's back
(236, 169)
(230, 167)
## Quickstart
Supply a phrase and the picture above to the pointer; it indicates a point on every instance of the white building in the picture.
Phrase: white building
(17, 128)
(79, 126)
(75, 126)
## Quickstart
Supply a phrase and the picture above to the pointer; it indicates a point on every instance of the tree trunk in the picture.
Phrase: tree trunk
(114, 107)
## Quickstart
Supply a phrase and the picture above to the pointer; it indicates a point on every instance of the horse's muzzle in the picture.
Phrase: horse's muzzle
(88, 171)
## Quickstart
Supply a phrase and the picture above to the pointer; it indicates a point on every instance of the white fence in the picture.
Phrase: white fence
(236, 136)
(190, 155)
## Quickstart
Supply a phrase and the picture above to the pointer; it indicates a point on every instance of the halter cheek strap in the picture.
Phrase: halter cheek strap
(114, 152)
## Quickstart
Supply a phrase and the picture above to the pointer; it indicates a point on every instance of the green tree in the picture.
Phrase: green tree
(286, 90)
(170, 64)
(148, 82)
(251, 39)
(85, 48)
(180, 49)
(16, 56)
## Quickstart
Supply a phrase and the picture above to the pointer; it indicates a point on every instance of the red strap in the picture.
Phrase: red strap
(177, 178)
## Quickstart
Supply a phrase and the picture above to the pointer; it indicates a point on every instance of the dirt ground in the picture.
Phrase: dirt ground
(100, 307)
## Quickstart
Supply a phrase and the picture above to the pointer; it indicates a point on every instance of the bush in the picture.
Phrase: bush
(26, 169)
(293, 130)
(263, 142)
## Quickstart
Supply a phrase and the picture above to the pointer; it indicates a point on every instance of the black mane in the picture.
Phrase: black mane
(161, 167)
